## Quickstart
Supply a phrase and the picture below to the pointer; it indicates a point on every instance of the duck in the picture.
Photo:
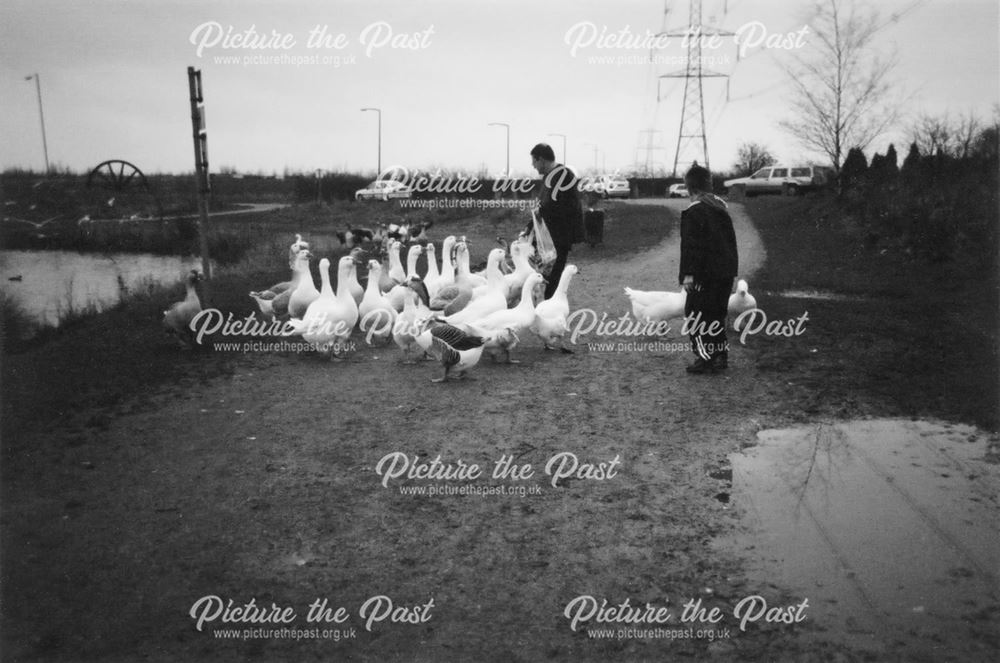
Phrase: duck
(514, 320)
(376, 313)
(304, 292)
(741, 301)
(395, 295)
(293, 251)
(493, 299)
(281, 298)
(552, 314)
(455, 349)
(452, 298)
(177, 319)
(330, 318)
(656, 305)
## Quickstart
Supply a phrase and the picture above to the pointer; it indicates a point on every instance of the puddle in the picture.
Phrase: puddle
(819, 294)
(890, 528)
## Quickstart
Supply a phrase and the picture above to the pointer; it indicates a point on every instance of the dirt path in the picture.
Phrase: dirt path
(263, 485)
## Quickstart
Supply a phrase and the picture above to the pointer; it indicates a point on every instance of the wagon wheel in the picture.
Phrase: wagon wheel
(117, 175)
(122, 177)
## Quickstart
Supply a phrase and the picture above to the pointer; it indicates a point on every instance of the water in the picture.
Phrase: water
(54, 284)
(890, 528)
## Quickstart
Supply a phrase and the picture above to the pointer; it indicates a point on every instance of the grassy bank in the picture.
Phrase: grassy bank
(909, 338)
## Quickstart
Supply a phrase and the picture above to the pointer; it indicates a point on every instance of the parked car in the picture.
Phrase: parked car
(590, 185)
(787, 180)
(383, 190)
(678, 190)
(614, 186)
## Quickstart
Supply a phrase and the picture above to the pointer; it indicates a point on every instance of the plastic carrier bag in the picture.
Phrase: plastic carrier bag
(544, 246)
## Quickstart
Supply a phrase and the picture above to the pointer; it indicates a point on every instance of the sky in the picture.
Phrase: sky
(114, 83)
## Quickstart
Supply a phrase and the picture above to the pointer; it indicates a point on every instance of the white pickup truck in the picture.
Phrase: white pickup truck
(787, 180)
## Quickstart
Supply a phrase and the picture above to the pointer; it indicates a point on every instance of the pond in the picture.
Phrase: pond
(51, 285)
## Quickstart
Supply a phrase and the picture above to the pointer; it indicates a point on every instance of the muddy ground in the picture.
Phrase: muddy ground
(260, 483)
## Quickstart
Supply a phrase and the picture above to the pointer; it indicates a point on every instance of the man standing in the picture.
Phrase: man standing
(559, 208)
(709, 263)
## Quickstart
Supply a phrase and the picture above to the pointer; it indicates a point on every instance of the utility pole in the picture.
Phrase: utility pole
(379, 111)
(692, 128)
(41, 116)
(507, 127)
(650, 144)
(200, 136)
(563, 136)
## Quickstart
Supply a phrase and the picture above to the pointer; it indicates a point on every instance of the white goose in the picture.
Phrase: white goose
(447, 275)
(432, 278)
(357, 292)
(551, 315)
(177, 319)
(494, 299)
(330, 319)
(520, 252)
(406, 328)
(397, 293)
(656, 305)
(493, 274)
(396, 274)
(293, 250)
(304, 292)
(741, 300)
(454, 297)
(515, 319)
(376, 313)
(462, 272)
(300, 270)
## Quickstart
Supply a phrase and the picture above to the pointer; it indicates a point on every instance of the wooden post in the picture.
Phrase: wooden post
(200, 136)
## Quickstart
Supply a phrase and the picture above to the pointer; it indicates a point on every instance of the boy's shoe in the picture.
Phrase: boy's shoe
(700, 366)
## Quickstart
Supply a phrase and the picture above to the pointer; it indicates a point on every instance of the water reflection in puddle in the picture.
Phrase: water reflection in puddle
(890, 529)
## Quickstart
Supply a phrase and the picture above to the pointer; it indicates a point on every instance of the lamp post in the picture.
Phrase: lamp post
(563, 136)
(41, 115)
(507, 127)
(379, 111)
(594, 145)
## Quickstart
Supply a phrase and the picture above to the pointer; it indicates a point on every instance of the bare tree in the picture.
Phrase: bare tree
(751, 157)
(840, 91)
(941, 134)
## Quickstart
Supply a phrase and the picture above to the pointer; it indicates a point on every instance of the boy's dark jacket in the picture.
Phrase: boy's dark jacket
(708, 241)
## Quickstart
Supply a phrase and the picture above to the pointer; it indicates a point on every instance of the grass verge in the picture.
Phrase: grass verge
(910, 338)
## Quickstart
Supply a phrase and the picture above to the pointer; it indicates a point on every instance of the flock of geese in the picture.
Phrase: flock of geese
(448, 312)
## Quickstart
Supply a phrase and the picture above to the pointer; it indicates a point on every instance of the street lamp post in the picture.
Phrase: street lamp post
(563, 136)
(594, 145)
(507, 127)
(41, 115)
(379, 111)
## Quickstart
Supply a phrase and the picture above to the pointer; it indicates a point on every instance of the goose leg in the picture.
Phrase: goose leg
(443, 378)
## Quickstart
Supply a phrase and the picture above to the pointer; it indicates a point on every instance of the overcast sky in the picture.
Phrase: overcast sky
(114, 84)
